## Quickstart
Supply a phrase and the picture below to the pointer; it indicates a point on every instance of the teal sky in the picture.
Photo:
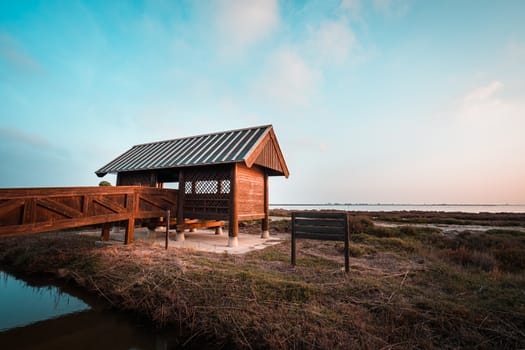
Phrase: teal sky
(372, 101)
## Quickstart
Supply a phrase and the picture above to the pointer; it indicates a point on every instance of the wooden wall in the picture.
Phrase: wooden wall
(250, 194)
(137, 178)
(206, 190)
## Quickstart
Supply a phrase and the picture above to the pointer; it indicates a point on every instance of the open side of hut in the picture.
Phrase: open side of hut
(220, 176)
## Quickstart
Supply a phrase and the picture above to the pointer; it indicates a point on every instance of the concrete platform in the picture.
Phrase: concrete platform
(202, 240)
(208, 241)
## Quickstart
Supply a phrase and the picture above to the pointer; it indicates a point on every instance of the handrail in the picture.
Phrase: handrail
(34, 210)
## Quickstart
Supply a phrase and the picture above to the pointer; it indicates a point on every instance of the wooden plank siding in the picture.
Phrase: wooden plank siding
(137, 178)
(268, 155)
(34, 210)
(269, 158)
(251, 191)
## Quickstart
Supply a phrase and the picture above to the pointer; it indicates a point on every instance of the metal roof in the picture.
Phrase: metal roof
(218, 148)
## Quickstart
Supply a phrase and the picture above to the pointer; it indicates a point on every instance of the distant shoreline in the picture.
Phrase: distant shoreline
(396, 204)
(437, 207)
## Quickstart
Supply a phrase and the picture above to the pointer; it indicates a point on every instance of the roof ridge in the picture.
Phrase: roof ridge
(204, 135)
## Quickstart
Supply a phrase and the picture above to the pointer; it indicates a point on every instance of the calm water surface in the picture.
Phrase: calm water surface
(486, 208)
(37, 316)
(21, 304)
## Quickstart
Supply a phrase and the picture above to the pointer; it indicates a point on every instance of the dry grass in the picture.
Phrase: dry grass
(408, 288)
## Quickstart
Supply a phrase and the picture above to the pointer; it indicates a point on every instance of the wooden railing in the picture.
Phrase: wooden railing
(34, 210)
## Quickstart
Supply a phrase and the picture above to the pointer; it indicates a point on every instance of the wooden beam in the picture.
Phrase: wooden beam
(11, 204)
(181, 197)
(131, 204)
(29, 215)
(110, 205)
(85, 205)
(58, 208)
(266, 221)
(233, 228)
(15, 230)
(104, 235)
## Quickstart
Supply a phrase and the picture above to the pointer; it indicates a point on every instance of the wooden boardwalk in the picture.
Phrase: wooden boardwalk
(34, 210)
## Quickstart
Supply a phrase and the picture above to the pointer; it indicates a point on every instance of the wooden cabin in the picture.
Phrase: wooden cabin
(220, 176)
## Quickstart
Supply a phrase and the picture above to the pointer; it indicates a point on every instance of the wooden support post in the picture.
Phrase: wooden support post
(85, 205)
(293, 239)
(29, 215)
(233, 227)
(132, 207)
(130, 230)
(104, 235)
(167, 227)
(266, 220)
(179, 235)
(347, 239)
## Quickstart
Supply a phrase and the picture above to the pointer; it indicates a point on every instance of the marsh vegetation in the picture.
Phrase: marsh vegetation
(409, 287)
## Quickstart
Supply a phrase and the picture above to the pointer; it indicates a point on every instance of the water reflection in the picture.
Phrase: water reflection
(21, 304)
(45, 317)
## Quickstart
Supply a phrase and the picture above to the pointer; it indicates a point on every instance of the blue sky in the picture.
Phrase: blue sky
(372, 101)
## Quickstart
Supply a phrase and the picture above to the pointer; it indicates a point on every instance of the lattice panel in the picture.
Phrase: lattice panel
(225, 186)
(207, 192)
(188, 187)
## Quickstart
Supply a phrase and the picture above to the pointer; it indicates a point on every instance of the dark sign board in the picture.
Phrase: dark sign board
(321, 226)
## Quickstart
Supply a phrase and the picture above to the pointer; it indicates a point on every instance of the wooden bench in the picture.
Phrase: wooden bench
(193, 224)
(321, 226)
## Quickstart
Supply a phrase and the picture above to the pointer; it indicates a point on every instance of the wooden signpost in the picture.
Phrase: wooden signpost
(321, 226)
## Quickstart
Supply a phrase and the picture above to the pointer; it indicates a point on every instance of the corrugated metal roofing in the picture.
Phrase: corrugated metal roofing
(218, 148)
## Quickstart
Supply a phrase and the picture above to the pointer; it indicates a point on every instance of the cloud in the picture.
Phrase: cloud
(243, 23)
(392, 7)
(352, 6)
(15, 56)
(484, 101)
(516, 50)
(332, 42)
(289, 80)
(20, 137)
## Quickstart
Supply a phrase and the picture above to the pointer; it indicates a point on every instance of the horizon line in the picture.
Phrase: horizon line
(402, 204)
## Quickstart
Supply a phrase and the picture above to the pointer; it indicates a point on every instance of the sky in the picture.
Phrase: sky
(379, 101)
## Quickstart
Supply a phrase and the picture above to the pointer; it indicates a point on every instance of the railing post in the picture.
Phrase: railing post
(293, 239)
(347, 239)
(132, 206)
(167, 227)
(104, 236)
(29, 215)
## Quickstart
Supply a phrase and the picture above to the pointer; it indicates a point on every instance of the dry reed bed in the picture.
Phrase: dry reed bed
(402, 292)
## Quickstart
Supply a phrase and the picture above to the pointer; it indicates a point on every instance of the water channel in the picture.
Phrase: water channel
(38, 315)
